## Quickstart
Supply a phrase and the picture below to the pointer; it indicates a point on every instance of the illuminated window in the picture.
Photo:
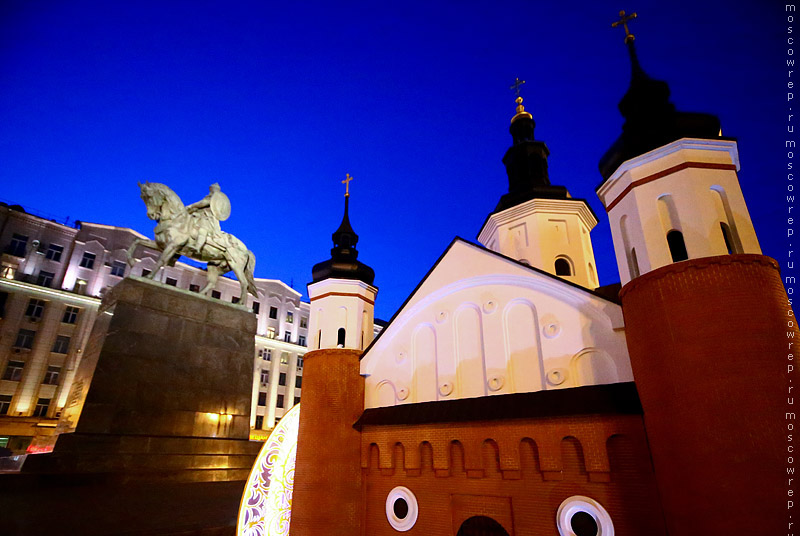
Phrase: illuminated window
(298, 382)
(70, 315)
(13, 371)
(282, 379)
(88, 260)
(45, 279)
(51, 376)
(24, 339)
(18, 245)
(273, 312)
(303, 322)
(61, 345)
(7, 272)
(54, 252)
(301, 340)
(270, 333)
(262, 399)
(284, 358)
(171, 281)
(216, 294)
(80, 286)
(289, 317)
(118, 268)
(42, 405)
(35, 310)
(256, 307)
(677, 247)
(5, 404)
(264, 376)
(279, 403)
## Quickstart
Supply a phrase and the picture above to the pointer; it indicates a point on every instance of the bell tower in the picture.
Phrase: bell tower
(538, 223)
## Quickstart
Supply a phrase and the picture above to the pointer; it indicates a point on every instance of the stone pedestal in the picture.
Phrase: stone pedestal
(160, 406)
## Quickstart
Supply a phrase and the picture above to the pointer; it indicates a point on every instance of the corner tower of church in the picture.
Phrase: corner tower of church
(342, 295)
(538, 223)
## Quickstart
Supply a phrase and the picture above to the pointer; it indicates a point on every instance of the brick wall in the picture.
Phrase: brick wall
(515, 471)
(708, 344)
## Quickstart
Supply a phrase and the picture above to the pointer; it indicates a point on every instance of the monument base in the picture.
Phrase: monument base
(154, 438)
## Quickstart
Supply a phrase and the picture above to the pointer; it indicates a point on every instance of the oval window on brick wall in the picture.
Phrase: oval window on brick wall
(583, 516)
(401, 509)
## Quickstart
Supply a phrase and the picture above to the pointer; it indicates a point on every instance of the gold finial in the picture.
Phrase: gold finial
(624, 22)
(520, 108)
(346, 183)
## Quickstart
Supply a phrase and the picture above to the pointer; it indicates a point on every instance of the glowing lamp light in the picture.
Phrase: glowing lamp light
(266, 507)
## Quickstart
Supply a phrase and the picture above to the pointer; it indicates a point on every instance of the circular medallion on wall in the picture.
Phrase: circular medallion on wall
(583, 516)
(401, 509)
(402, 393)
(496, 383)
(446, 388)
(557, 376)
(441, 317)
(490, 306)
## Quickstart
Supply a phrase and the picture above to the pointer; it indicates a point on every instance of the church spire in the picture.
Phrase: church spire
(343, 263)
(650, 118)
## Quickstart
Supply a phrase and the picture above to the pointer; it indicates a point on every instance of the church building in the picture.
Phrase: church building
(512, 395)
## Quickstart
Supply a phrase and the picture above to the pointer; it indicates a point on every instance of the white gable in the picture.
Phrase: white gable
(481, 324)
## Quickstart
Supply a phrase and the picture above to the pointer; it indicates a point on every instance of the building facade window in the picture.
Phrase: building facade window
(25, 339)
(5, 404)
(563, 266)
(3, 300)
(18, 245)
(264, 376)
(296, 400)
(45, 279)
(677, 246)
(61, 345)
(70, 315)
(259, 422)
(301, 340)
(289, 317)
(216, 294)
(35, 309)
(273, 312)
(262, 399)
(87, 261)
(287, 336)
(299, 362)
(270, 333)
(194, 288)
(54, 252)
(51, 376)
(235, 299)
(303, 322)
(340, 337)
(268, 354)
(256, 307)
(145, 272)
(279, 403)
(284, 358)
(298, 382)
(118, 268)
(282, 379)
(42, 405)
(13, 371)
(171, 281)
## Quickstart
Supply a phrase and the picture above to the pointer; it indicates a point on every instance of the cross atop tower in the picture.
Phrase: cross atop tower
(624, 22)
(346, 183)
(515, 86)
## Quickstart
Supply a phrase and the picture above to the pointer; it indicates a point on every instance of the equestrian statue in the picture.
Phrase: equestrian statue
(193, 231)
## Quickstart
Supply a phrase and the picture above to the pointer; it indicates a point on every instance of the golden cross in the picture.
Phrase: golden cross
(346, 183)
(516, 84)
(624, 21)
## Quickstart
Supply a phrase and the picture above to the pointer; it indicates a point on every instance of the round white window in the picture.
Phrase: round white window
(583, 516)
(401, 509)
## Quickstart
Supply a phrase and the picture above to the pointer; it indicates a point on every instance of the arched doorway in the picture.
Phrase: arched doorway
(481, 526)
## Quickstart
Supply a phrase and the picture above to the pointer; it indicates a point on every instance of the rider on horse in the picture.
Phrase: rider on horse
(207, 213)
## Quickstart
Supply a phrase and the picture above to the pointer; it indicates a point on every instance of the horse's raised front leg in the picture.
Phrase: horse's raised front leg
(165, 257)
(134, 245)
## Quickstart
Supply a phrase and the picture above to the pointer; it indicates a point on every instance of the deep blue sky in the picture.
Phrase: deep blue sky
(278, 100)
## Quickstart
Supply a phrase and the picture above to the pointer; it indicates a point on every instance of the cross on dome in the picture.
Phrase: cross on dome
(624, 22)
(346, 183)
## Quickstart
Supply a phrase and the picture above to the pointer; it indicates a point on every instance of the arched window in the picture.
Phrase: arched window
(677, 247)
(634, 264)
(563, 266)
(340, 338)
(726, 235)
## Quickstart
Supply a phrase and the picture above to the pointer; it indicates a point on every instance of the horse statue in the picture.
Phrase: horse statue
(194, 232)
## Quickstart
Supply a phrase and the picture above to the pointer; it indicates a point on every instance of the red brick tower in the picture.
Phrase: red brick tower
(327, 491)
(706, 317)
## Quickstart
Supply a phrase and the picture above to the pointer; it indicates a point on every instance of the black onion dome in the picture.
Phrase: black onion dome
(526, 165)
(343, 263)
(651, 120)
